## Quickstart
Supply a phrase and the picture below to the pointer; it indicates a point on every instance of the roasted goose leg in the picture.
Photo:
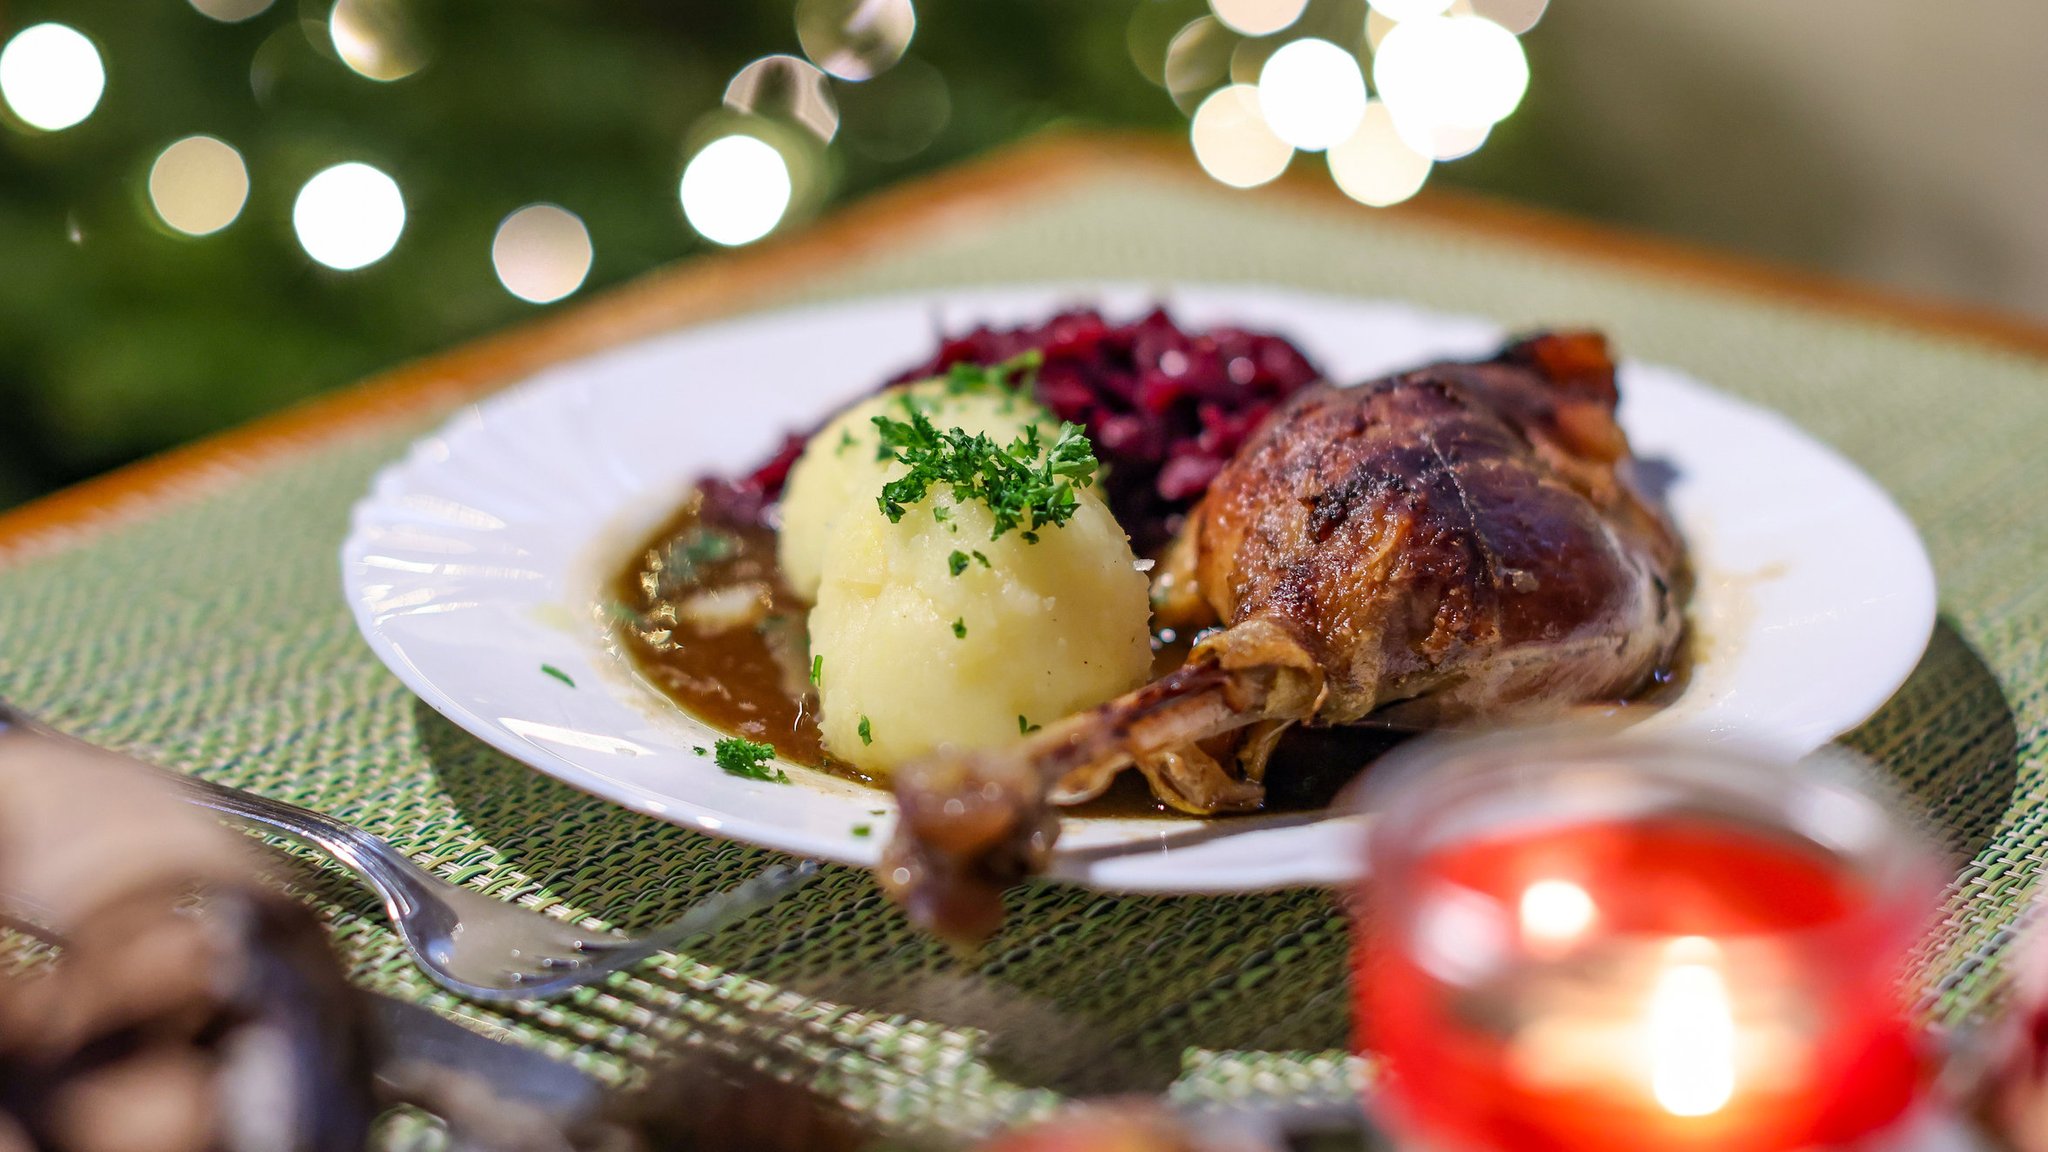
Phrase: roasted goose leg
(1456, 544)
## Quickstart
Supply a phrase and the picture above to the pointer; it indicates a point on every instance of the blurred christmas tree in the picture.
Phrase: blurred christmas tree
(120, 335)
(154, 287)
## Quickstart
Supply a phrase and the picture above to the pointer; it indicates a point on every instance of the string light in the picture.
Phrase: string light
(1258, 17)
(1232, 141)
(855, 39)
(897, 114)
(349, 216)
(735, 190)
(787, 87)
(376, 39)
(51, 76)
(1441, 141)
(1375, 165)
(1517, 16)
(1410, 9)
(1457, 71)
(1312, 94)
(198, 185)
(1197, 58)
(541, 253)
(231, 11)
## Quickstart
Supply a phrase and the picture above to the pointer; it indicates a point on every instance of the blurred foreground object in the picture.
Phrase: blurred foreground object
(1128, 1127)
(1141, 1125)
(169, 1023)
(1573, 942)
(2015, 1099)
(191, 1009)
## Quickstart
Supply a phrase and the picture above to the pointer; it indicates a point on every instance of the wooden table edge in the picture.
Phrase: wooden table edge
(710, 286)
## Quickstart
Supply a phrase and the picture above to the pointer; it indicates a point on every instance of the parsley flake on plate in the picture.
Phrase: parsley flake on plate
(745, 758)
(558, 674)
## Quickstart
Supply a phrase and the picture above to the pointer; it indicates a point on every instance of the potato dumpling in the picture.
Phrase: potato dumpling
(839, 468)
(927, 644)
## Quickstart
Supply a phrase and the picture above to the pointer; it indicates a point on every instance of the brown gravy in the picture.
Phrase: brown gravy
(742, 666)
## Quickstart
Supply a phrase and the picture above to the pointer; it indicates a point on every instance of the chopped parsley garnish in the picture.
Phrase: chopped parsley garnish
(960, 627)
(701, 750)
(867, 732)
(558, 674)
(738, 757)
(957, 562)
(979, 559)
(1026, 727)
(845, 441)
(1011, 375)
(862, 830)
(818, 670)
(1026, 485)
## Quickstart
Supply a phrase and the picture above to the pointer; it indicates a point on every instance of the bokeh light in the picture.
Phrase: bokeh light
(1152, 28)
(1441, 141)
(376, 39)
(1456, 71)
(1409, 9)
(1517, 16)
(788, 88)
(1248, 57)
(1233, 142)
(198, 185)
(855, 39)
(1257, 17)
(349, 216)
(231, 11)
(1374, 165)
(1312, 94)
(51, 76)
(1377, 25)
(898, 114)
(541, 253)
(736, 189)
(1197, 59)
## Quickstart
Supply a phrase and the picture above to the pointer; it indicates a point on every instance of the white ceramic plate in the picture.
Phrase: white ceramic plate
(479, 557)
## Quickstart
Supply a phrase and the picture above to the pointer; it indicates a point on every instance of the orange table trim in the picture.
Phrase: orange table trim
(706, 287)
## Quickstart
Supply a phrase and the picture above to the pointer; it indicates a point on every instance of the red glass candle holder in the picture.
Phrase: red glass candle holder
(1589, 944)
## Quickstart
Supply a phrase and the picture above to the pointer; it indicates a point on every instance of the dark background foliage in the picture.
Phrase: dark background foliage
(119, 336)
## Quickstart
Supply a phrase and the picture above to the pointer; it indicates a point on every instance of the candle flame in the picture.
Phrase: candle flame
(1692, 1034)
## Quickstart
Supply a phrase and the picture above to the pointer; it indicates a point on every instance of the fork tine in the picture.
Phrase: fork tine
(726, 908)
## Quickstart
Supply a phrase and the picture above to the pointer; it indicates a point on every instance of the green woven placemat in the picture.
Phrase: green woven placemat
(213, 635)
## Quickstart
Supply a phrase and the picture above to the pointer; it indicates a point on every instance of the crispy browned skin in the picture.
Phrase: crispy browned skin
(1456, 544)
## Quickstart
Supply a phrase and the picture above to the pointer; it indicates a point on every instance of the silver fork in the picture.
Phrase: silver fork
(474, 945)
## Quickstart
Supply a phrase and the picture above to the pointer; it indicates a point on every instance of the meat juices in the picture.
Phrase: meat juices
(1457, 544)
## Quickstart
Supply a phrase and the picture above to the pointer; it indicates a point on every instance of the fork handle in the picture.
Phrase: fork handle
(398, 879)
(403, 885)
